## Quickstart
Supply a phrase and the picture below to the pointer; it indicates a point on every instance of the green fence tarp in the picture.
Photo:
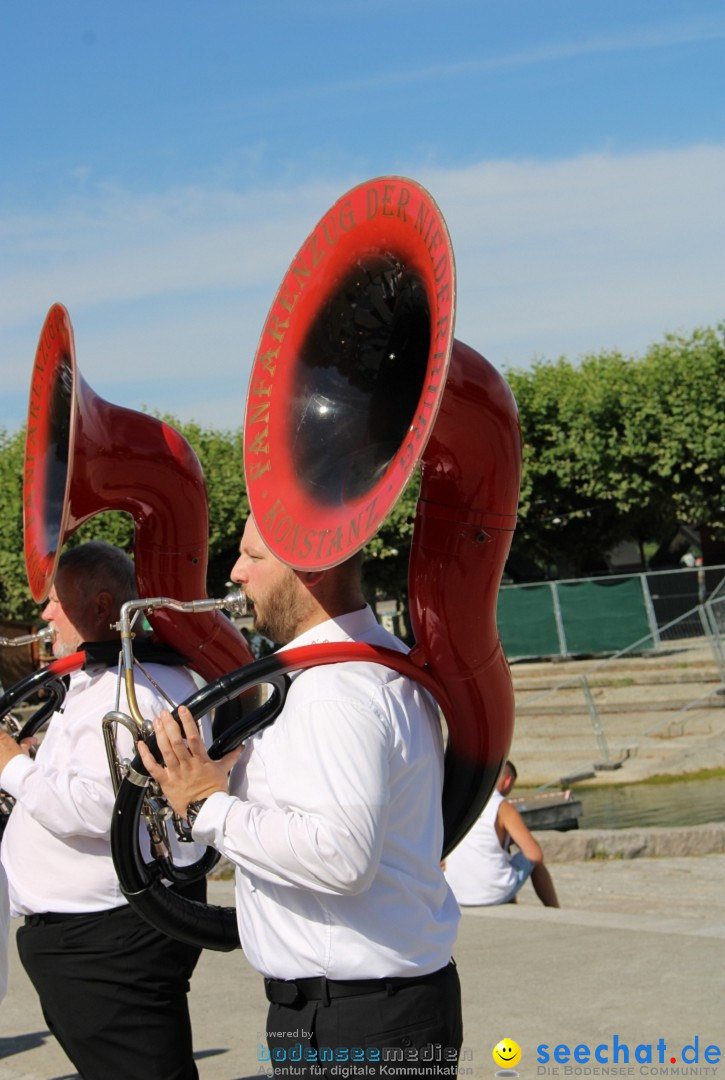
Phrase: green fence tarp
(596, 616)
(526, 621)
(602, 616)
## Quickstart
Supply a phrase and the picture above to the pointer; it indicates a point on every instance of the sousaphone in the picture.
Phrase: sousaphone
(358, 379)
(84, 456)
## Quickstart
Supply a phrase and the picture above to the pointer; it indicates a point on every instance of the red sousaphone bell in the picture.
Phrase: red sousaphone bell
(84, 456)
(357, 378)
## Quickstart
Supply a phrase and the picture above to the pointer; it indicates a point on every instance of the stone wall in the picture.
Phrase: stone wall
(582, 844)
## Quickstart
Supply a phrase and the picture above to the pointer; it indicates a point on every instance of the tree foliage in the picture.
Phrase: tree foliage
(388, 553)
(15, 599)
(220, 455)
(614, 448)
(620, 449)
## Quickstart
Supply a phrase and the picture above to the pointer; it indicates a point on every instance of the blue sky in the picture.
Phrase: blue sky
(163, 161)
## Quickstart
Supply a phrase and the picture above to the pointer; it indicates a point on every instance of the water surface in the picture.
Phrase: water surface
(683, 802)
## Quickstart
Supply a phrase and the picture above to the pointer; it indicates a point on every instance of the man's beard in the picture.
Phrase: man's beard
(62, 648)
(282, 611)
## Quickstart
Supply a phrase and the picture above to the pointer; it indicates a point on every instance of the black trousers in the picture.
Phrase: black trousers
(406, 1029)
(113, 991)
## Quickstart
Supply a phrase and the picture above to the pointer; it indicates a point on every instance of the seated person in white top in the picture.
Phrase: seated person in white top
(482, 871)
(113, 990)
(334, 824)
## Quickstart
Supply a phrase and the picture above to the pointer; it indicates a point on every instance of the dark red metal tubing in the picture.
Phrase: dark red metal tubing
(463, 529)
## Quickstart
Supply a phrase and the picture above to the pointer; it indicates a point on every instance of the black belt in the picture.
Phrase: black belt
(292, 991)
(46, 918)
(194, 890)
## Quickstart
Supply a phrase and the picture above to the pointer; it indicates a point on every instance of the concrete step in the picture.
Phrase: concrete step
(604, 707)
(705, 673)
(656, 713)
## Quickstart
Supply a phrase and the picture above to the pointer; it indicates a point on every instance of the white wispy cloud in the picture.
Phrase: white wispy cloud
(645, 37)
(168, 293)
(594, 252)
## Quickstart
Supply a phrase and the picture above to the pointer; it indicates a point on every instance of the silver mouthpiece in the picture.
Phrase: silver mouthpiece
(46, 634)
(235, 601)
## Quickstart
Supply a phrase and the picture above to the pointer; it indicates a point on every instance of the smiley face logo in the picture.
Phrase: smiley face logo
(507, 1053)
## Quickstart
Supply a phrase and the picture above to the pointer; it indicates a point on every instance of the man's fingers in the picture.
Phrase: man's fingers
(191, 732)
(168, 738)
(152, 766)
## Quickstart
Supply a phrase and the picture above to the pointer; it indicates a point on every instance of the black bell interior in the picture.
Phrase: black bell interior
(358, 379)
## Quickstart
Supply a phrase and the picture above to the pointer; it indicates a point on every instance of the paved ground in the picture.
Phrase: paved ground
(636, 953)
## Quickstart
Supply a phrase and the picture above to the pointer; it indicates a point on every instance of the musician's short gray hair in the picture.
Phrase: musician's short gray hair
(98, 566)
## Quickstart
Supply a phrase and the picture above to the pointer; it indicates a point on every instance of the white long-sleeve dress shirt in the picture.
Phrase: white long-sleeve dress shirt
(56, 849)
(334, 823)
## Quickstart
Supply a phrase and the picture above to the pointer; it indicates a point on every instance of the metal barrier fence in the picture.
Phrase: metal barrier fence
(705, 621)
(603, 615)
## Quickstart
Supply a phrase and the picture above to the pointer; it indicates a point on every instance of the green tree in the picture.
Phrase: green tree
(15, 599)
(221, 459)
(617, 448)
(675, 406)
(387, 554)
(220, 454)
(614, 448)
